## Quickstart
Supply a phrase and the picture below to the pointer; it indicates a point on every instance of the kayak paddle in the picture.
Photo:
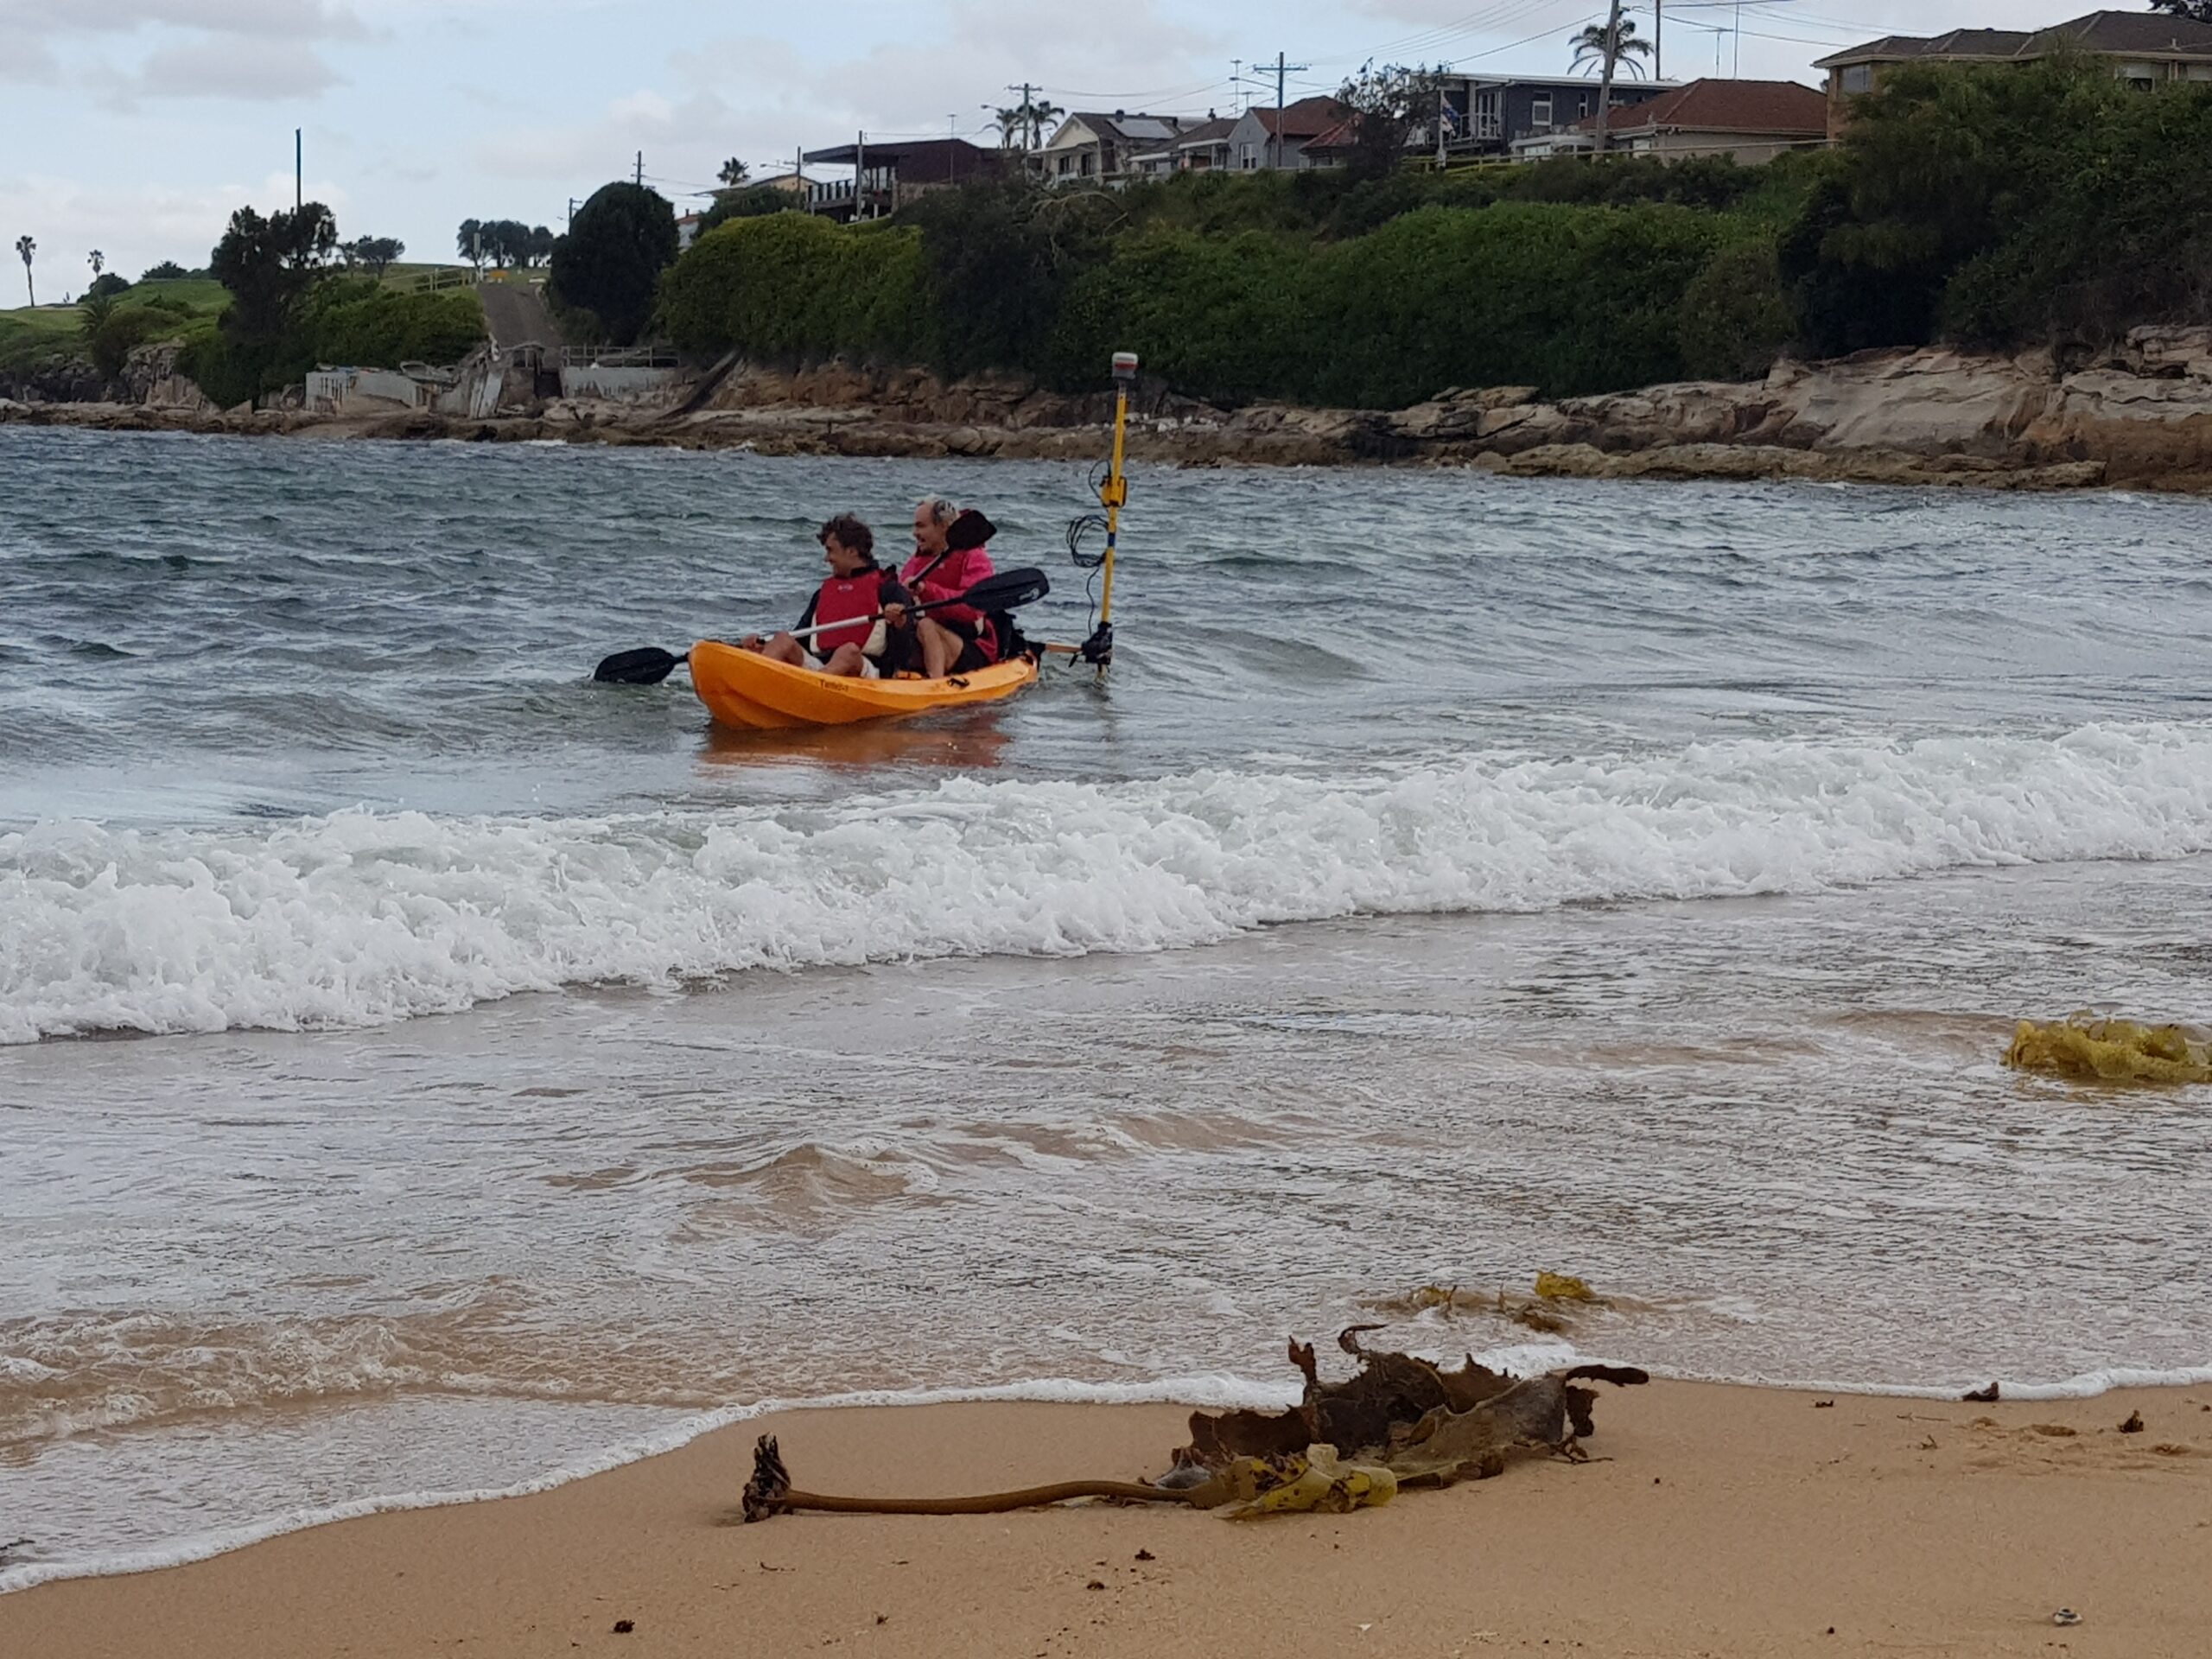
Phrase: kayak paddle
(650, 664)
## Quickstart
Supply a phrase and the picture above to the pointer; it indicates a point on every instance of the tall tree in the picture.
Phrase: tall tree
(268, 264)
(1591, 43)
(372, 253)
(1043, 112)
(98, 261)
(611, 260)
(1381, 106)
(469, 241)
(26, 247)
(2199, 11)
(1611, 43)
(735, 173)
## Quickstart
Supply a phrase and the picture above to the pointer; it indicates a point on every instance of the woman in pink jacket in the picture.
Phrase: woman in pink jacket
(959, 638)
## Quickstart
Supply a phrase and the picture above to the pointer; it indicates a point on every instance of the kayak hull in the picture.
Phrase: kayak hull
(743, 689)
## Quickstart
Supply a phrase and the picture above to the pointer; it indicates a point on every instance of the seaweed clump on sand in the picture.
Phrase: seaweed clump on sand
(2109, 1050)
(1399, 1422)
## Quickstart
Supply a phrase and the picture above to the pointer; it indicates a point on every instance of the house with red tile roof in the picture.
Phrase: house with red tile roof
(1268, 137)
(1748, 121)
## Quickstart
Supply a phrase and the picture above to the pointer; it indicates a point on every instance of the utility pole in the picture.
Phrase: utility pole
(1282, 71)
(641, 169)
(1439, 124)
(299, 171)
(1605, 82)
(860, 173)
(1736, 68)
(1027, 111)
(1658, 34)
(572, 213)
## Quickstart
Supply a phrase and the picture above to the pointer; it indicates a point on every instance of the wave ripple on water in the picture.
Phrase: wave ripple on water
(1459, 877)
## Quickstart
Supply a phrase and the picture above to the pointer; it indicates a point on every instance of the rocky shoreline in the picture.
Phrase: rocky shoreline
(2138, 416)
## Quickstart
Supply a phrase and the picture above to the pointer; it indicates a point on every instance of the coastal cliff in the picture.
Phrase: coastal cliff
(2138, 415)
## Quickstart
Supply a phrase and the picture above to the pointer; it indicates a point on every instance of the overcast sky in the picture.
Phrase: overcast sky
(136, 126)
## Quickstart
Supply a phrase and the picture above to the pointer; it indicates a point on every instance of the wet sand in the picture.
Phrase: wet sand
(1717, 1521)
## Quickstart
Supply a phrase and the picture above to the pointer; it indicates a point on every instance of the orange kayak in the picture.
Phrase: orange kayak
(745, 690)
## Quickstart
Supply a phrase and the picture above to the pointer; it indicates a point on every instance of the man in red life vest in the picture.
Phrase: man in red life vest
(948, 561)
(858, 590)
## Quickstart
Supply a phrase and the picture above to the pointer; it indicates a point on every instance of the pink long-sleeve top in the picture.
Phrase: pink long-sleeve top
(957, 574)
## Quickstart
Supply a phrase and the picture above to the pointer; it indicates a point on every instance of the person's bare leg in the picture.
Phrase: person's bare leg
(940, 648)
(784, 649)
(847, 661)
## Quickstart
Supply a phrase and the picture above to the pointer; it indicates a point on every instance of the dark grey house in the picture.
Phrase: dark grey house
(1485, 115)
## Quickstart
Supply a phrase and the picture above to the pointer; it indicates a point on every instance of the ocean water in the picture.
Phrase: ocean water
(425, 1072)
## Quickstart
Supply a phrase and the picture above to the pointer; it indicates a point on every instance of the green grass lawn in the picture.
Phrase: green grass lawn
(27, 335)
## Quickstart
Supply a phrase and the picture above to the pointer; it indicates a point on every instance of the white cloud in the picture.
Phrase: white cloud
(137, 225)
(254, 70)
(253, 19)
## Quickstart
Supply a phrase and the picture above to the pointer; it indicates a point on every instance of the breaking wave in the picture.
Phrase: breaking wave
(363, 918)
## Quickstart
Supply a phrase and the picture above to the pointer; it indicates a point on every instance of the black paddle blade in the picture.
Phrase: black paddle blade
(970, 530)
(647, 665)
(1006, 589)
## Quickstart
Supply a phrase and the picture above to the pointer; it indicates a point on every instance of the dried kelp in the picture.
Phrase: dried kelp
(1556, 1303)
(1410, 1417)
(1344, 1446)
(770, 1492)
(2109, 1050)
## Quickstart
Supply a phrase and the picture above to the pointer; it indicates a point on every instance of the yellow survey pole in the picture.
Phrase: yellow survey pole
(1115, 492)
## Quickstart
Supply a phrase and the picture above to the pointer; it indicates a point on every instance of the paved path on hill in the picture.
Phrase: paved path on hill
(516, 314)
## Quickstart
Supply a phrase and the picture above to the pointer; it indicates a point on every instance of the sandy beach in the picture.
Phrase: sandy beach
(1717, 1520)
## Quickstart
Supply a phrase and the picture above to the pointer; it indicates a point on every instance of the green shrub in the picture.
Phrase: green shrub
(1735, 318)
(1218, 318)
(787, 287)
(761, 200)
(1566, 298)
(357, 323)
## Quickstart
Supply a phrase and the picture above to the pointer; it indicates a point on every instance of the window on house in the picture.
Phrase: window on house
(1540, 112)
(2141, 76)
(1582, 105)
(1859, 78)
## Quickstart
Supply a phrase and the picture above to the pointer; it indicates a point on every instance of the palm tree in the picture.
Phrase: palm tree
(1040, 113)
(26, 247)
(1010, 122)
(98, 261)
(1590, 45)
(733, 173)
(1614, 41)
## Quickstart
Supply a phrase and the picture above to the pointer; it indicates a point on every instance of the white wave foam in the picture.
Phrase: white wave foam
(363, 918)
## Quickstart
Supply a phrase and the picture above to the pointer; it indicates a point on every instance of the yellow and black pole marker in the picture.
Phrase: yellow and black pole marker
(1113, 495)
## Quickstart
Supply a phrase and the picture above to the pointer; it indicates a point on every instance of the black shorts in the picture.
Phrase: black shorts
(973, 655)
